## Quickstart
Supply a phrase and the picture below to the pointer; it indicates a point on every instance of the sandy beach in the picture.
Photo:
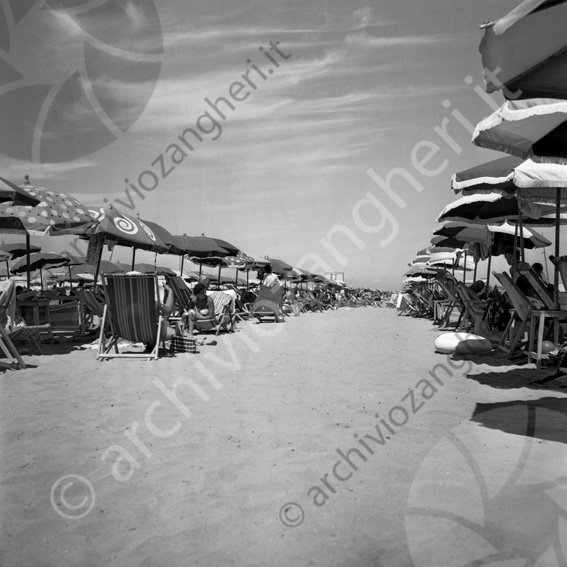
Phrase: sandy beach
(335, 439)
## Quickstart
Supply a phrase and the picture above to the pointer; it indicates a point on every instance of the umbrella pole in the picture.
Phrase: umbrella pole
(28, 260)
(219, 274)
(182, 259)
(489, 261)
(474, 273)
(465, 269)
(69, 268)
(97, 269)
(513, 269)
(133, 257)
(521, 223)
(556, 275)
(546, 267)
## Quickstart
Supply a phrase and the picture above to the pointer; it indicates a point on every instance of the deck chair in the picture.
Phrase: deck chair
(474, 308)
(131, 311)
(225, 314)
(543, 292)
(521, 312)
(183, 295)
(268, 304)
(452, 302)
(92, 306)
(9, 332)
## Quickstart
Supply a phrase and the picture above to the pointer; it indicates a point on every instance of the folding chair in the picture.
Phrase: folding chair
(132, 313)
(268, 304)
(522, 312)
(224, 317)
(9, 332)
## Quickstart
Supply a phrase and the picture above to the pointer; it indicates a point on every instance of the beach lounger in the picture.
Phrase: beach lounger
(9, 332)
(131, 310)
(521, 314)
(268, 304)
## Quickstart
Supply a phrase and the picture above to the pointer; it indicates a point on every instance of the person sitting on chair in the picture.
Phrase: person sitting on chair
(517, 266)
(203, 308)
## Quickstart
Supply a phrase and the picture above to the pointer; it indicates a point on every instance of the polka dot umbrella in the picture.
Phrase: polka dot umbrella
(55, 212)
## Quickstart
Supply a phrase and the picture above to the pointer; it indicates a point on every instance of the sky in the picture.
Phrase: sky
(323, 133)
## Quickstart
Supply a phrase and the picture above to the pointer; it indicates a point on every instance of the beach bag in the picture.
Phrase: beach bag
(183, 343)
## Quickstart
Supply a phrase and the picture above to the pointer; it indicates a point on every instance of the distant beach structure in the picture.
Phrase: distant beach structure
(335, 276)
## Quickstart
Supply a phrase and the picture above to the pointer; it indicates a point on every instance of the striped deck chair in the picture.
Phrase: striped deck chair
(183, 295)
(9, 332)
(132, 314)
(225, 316)
(268, 304)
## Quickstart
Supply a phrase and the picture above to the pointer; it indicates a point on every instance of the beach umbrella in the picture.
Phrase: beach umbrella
(279, 267)
(124, 230)
(533, 128)
(525, 53)
(38, 261)
(501, 236)
(197, 247)
(233, 259)
(19, 249)
(232, 250)
(53, 213)
(495, 208)
(9, 192)
(146, 268)
(420, 271)
(121, 229)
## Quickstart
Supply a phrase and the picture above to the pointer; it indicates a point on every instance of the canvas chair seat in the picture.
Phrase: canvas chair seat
(132, 313)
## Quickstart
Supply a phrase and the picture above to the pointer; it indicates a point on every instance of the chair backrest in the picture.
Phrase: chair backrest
(181, 292)
(92, 300)
(543, 292)
(447, 290)
(132, 303)
(520, 302)
(7, 304)
(221, 301)
(269, 297)
(561, 264)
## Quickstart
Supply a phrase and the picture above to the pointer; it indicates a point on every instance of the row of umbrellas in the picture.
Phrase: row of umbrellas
(524, 56)
(31, 210)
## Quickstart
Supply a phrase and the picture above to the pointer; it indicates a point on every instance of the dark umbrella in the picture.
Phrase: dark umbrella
(19, 249)
(279, 267)
(525, 52)
(38, 261)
